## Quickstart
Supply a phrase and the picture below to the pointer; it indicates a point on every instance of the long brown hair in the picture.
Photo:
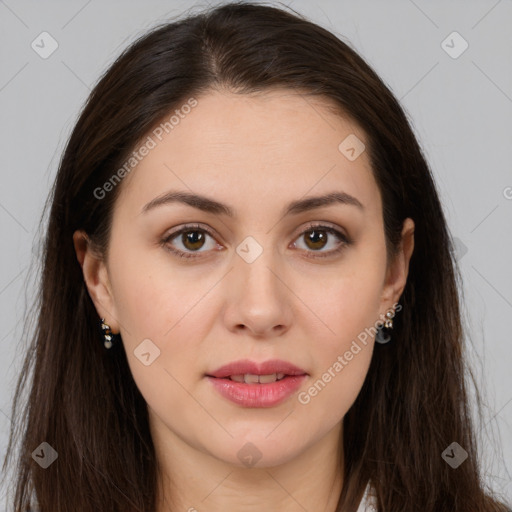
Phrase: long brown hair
(82, 398)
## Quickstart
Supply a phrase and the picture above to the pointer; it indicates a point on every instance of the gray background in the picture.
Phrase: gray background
(461, 110)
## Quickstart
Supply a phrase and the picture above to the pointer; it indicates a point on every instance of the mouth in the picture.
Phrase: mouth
(249, 384)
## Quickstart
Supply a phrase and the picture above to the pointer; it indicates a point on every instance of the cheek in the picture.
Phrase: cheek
(347, 300)
(152, 294)
(170, 306)
(162, 314)
(332, 391)
(341, 360)
(348, 306)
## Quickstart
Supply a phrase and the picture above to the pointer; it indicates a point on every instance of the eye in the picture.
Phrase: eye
(191, 238)
(317, 237)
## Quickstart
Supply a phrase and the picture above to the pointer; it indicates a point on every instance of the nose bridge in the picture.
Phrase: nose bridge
(256, 265)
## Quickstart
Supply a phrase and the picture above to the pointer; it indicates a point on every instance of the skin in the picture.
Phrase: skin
(254, 153)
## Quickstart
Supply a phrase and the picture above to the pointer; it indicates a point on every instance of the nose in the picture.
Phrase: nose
(259, 301)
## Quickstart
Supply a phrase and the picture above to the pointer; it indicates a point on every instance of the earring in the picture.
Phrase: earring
(109, 338)
(389, 320)
(381, 336)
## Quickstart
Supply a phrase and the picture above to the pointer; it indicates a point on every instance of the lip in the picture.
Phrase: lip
(254, 394)
(244, 366)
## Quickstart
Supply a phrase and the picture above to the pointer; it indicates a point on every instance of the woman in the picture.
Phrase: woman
(248, 300)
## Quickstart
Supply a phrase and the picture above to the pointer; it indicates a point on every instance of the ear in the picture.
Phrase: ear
(96, 279)
(398, 269)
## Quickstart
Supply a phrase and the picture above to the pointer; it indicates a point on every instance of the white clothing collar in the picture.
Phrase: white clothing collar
(368, 502)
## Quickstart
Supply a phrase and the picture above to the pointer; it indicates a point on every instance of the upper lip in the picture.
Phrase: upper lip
(245, 366)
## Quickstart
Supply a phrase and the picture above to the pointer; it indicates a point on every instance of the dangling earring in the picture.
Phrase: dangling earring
(381, 336)
(109, 338)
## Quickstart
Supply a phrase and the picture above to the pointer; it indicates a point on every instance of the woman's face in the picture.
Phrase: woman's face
(257, 284)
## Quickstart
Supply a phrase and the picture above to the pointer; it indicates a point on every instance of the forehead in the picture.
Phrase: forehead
(278, 144)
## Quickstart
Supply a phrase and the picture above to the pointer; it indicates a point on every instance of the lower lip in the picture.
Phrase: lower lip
(257, 395)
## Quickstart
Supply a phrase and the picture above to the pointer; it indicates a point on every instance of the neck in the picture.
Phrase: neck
(192, 481)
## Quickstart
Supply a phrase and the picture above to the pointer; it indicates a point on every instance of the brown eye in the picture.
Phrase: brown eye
(317, 237)
(189, 240)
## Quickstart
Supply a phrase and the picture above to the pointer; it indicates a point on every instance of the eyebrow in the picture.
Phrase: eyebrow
(211, 206)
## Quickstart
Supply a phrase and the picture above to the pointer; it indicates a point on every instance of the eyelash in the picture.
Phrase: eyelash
(345, 240)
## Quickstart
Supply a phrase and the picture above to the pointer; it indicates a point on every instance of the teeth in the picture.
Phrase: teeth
(250, 378)
(265, 379)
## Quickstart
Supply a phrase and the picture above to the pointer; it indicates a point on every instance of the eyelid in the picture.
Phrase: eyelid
(190, 227)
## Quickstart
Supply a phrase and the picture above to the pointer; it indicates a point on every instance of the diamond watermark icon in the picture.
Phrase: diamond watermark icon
(146, 352)
(44, 455)
(44, 45)
(454, 455)
(249, 455)
(249, 249)
(454, 45)
(459, 248)
(351, 147)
